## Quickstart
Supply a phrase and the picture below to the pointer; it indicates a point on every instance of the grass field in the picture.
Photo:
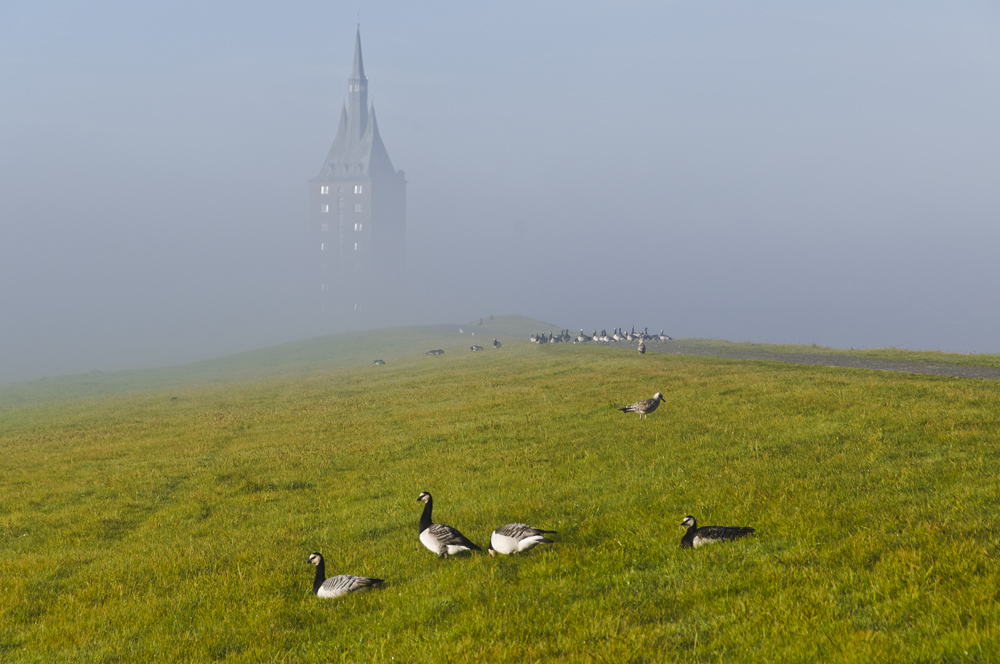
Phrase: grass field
(167, 515)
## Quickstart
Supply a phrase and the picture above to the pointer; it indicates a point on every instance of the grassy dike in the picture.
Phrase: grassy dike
(169, 517)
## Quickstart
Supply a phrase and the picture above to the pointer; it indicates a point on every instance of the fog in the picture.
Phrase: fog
(813, 173)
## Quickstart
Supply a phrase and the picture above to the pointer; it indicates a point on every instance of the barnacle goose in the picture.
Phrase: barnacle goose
(643, 407)
(439, 538)
(378, 362)
(475, 348)
(517, 537)
(695, 536)
(642, 348)
(496, 344)
(342, 584)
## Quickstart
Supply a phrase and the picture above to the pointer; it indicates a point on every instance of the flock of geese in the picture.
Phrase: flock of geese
(444, 541)
(617, 335)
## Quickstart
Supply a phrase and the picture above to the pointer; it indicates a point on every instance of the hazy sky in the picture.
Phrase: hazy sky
(788, 172)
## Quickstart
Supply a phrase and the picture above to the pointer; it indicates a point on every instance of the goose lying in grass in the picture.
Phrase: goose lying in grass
(517, 537)
(340, 585)
(695, 536)
(644, 407)
(439, 538)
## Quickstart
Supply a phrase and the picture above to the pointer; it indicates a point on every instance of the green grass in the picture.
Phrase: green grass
(169, 517)
(970, 359)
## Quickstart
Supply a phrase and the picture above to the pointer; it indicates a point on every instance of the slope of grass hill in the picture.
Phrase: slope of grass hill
(168, 515)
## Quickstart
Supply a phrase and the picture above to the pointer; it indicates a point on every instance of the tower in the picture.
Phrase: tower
(358, 211)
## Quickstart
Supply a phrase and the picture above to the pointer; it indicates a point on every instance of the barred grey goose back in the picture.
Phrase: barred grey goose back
(517, 537)
(643, 407)
(340, 585)
(695, 536)
(441, 539)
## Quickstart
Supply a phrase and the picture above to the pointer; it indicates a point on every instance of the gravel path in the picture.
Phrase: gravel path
(847, 361)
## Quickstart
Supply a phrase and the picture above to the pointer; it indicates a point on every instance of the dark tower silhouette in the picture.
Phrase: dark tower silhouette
(358, 216)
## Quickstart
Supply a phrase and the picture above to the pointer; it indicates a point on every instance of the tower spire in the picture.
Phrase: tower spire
(357, 89)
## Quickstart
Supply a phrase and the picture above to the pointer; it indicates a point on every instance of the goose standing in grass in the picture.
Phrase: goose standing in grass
(340, 585)
(496, 344)
(642, 348)
(517, 537)
(695, 536)
(439, 538)
(644, 407)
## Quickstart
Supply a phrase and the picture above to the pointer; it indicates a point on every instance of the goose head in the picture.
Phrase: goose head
(689, 521)
(315, 558)
(424, 497)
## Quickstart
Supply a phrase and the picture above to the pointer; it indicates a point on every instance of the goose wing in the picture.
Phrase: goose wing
(342, 584)
(710, 534)
(520, 531)
(448, 536)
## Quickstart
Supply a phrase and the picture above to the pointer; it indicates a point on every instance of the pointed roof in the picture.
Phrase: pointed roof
(380, 162)
(358, 73)
(357, 151)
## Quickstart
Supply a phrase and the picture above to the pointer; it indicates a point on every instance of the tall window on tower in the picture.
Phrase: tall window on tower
(358, 188)
(324, 189)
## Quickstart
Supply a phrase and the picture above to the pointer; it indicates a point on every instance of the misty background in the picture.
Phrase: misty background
(784, 172)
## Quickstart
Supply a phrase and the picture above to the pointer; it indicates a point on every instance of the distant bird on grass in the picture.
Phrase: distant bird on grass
(338, 586)
(644, 407)
(517, 537)
(439, 538)
(642, 348)
(496, 344)
(435, 352)
(695, 536)
(379, 362)
(475, 348)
